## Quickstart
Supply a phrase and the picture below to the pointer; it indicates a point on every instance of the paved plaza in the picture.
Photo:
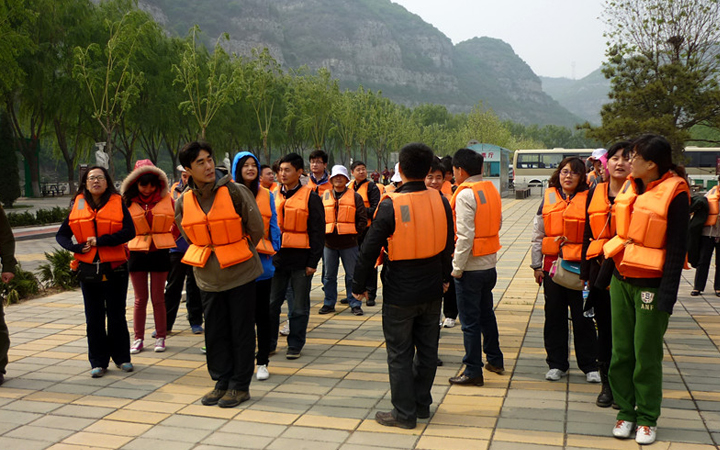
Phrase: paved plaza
(327, 399)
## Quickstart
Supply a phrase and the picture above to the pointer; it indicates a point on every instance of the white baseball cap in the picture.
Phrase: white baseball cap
(180, 168)
(339, 170)
(396, 176)
(597, 154)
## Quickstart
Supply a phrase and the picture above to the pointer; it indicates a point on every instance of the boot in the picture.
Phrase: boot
(605, 399)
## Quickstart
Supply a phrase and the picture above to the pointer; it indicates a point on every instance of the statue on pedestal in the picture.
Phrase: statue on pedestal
(101, 158)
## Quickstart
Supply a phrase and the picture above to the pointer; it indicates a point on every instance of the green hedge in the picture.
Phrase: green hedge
(41, 217)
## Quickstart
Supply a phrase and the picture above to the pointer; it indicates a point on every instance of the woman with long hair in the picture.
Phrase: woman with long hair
(558, 232)
(101, 225)
(652, 212)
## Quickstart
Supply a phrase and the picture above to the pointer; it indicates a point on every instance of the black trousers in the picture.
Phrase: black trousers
(411, 339)
(450, 308)
(707, 247)
(557, 301)
(230, 336)
(262, 320)
(603, 319)
(106, 299)
(178, 275)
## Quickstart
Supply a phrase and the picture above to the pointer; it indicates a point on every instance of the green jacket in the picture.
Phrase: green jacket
(7, 244)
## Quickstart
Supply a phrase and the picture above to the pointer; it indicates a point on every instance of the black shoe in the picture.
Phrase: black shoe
(370, 302)
(387, 419)
(357, 311)
(292, 353)
(605, 399)
(326, 309)
(498, 370)
(422, 413)
(2, 379)
(439, 362)
(232, 398)
(344, 301)
(695, 293)
(465, 380)
(615, 406)
(213, 397)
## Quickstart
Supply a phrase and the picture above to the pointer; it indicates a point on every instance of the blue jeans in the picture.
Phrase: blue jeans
(331, 262)
(298, 307)
(475, 306)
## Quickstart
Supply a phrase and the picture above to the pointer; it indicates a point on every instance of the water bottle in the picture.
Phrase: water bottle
(586, 293)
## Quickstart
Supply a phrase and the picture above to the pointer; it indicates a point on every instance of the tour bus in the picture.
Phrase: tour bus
(534, 167)
(702, 165)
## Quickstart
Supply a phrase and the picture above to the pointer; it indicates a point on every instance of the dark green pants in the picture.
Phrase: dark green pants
(638, 328)
(4, 340)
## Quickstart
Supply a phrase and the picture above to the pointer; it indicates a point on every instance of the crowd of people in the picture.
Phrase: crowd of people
(608, 246)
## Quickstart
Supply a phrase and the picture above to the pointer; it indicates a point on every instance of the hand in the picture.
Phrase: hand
(456, 276)
(361, 297)
(92, 241)
(539, 275)
(309, 271)
(7, 277)
(86, 248)
(446, 286)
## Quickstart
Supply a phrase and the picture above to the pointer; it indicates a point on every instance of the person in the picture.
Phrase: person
(596, 175)
(182, 274)
(9, 265)
(145, 193)
(267, 179)
(561, 220)
(386, 175)
(101, 224)
(245, 171)
(226, 265)
(395, 181)
(319, 180)
(345, 220)
(370, 194)
(709, 243)
(415, 225)
(477, 209)
(652, 214)
(375, 175)
(599, 228)
(447, 187)
(301, 217)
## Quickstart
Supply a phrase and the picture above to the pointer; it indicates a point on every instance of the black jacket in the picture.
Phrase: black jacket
(300, 258)
(342, 241)
(410, 281)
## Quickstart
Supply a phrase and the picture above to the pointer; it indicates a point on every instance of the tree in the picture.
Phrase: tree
(16, 22)
(261, 83)
(310, 102)
(346, 117)
(663, 65)
(9, 176)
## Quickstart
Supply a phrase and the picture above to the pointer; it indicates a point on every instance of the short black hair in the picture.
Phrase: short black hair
(294, 159)
(264, 166)
(576, 165)
(276, 165)
(415, 159)
(625, 147)
(436, 166)
(318, 154)
(446, 162)
(82, 188)
(468, 160)
(191, 150)
(355, 164)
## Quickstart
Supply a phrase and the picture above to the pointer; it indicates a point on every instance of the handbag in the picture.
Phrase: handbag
(564, 277)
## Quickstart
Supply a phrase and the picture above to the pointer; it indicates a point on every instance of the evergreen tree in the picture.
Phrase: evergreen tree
(9, 176)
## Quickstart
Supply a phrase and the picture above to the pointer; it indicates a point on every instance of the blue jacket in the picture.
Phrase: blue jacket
(275, 235)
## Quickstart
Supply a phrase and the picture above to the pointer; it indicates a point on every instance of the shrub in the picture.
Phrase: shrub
(41, 217)
(57, 273)
(22, 286)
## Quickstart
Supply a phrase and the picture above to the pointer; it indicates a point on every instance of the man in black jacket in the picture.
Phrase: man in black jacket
(416, 271)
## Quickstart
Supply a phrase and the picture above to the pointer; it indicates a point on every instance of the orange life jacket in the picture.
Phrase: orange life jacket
(265, 207)
(85, 222)
(390, 188)
(363, 191)
(274, 188)
(293, 215)
(639, 247)
(564, 224)
(219, 231)
(381, 187)
(175, 194)
(591, 177)
(420, 225)
(319, 189)
(602, 220)
(487, 216)
(446, 189)
(344, 220)
(163, 217)
(713, 198)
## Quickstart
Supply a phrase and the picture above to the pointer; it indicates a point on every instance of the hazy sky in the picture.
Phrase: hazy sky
(549, 35)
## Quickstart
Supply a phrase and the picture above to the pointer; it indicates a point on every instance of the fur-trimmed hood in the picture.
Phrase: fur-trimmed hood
(142, 167)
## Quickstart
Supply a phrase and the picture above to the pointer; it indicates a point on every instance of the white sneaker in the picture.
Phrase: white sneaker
(555, 374)
(622, 429)
(645, 435)
(285, 330)
(593, 377)
(136, 347)
(262, 372)
(160, 345)
(449, 322)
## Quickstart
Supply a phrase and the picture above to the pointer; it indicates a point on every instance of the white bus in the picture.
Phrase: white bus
(534, 167)
(701, 165)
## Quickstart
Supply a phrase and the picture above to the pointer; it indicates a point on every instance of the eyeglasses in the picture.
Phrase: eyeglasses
(567, 173)
(96, 178)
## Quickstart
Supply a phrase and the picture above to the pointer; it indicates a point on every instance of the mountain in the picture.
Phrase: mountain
(378, 44)
(583, 97)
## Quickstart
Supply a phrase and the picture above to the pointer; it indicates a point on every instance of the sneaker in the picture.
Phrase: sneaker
(213, 397)
(136, 347)
(645, 435)
(284, 331)
(160, 345)
(196, 329)
(370, 302)
(593, 377)
(262, 372)
(204, 350)
(622, 429)
(357, 311)
(449, 322)
(154, 334)
(125, 367)
(555, 374)
(98, 372)
(292, 353)
(232, 398)
(326, 309)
